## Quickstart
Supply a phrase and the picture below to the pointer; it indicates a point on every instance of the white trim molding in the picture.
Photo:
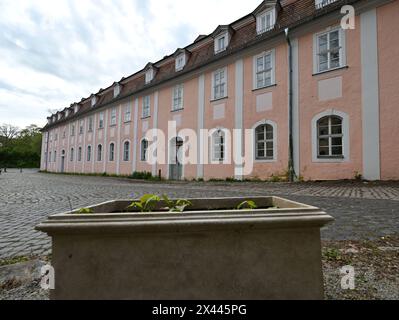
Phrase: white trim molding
(342, 52)
(275, 139)
(345, 136)
(370, 95)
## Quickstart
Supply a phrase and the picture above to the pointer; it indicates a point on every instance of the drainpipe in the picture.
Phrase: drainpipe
(291, 171)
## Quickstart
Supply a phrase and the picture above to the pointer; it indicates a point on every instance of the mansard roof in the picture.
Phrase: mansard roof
(292, 13)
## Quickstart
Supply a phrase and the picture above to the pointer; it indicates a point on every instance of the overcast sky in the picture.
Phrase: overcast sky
(54, 52)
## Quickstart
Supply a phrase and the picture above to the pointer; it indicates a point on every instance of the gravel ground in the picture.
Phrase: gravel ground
(376, 266)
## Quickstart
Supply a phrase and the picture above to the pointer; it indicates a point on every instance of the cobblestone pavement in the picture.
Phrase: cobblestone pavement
(362, 211)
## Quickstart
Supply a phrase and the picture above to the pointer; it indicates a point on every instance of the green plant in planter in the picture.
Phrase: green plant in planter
(146, 203)
(176, 206)
(247, 205)
(85, 211)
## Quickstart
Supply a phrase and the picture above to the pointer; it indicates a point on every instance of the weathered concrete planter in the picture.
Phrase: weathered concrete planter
(204, 254)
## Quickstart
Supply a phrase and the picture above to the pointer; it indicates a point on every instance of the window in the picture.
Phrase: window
(80, 154)
(90, 125)
(177, 97)
(56, 137)
(72, 155)
(220, 84)
(221, 42)
(112, 152)
(144, 149)
(322, 3)
(101, 120)
(264, 70)
(330, 137)
(113, 117)
(218, 151)
(99, 152)
(128, 113)
(117, 90)
(49, 157)
(93, 100)
(265, 21)
(264, 142)
(149, 75)
(63, 134)
(55, 156)
(329, 50)
(126, 151)
(180, 62)
(88, 153)
(81, 125)
(146, 107)
(72, 129)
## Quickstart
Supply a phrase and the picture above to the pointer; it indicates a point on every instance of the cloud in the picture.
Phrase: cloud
(53, 53)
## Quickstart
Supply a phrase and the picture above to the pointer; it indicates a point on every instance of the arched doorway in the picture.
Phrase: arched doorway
(175, 159)
(62, 161)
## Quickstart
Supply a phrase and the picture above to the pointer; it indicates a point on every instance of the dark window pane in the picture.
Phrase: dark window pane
(337, 151)
(323, 151)
(336, 142)
(323, 142)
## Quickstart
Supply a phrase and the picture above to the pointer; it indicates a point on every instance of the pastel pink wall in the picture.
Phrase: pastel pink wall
(310, 106)
(388, 53)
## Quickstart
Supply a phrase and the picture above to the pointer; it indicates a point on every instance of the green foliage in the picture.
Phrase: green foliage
(247, 205)
(22, 149)
(85, 211)
(143, 176)
(146, 203)
(176, 206)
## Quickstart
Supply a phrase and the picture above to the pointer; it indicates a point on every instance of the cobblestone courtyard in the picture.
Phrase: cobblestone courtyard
(361, 210)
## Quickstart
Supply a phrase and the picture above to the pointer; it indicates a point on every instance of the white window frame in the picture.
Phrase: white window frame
(113, 117)
(143, 152)
(72, 154)
(178, 101)
(217, 134)
(99, 152)
(319, 4)
(272, 54)
(275, 139)
(128, 113)
(111, 152)
(79, 154)
(146, 107)
(89, 154)
(81, 126)
(214, 97)
(149, 75)
(180, 62)
(90, 124)
(342, 51)
(272, 15)
(226, 41)
(117, 90)
(93, 101)
(126, 155)
(345, 137)
(101, 120)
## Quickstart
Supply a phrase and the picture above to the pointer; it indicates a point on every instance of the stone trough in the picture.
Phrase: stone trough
(209, 252)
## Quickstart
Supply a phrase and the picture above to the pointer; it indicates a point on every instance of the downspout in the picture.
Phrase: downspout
(291, 170)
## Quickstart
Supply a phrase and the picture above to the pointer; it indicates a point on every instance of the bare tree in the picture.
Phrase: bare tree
(7, 133)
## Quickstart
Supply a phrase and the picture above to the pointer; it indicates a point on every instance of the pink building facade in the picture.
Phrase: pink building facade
(310, 97)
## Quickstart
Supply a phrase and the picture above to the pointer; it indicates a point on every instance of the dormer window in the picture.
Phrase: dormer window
(322, 3)
(93, 100)
(180, 62)
(59, 116)
(265, 21)
(76, 108)
(117, 90)
(149, 75)
(66, 113)
(221, 42)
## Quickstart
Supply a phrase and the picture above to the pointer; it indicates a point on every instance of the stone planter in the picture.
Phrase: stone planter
(207, 253)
